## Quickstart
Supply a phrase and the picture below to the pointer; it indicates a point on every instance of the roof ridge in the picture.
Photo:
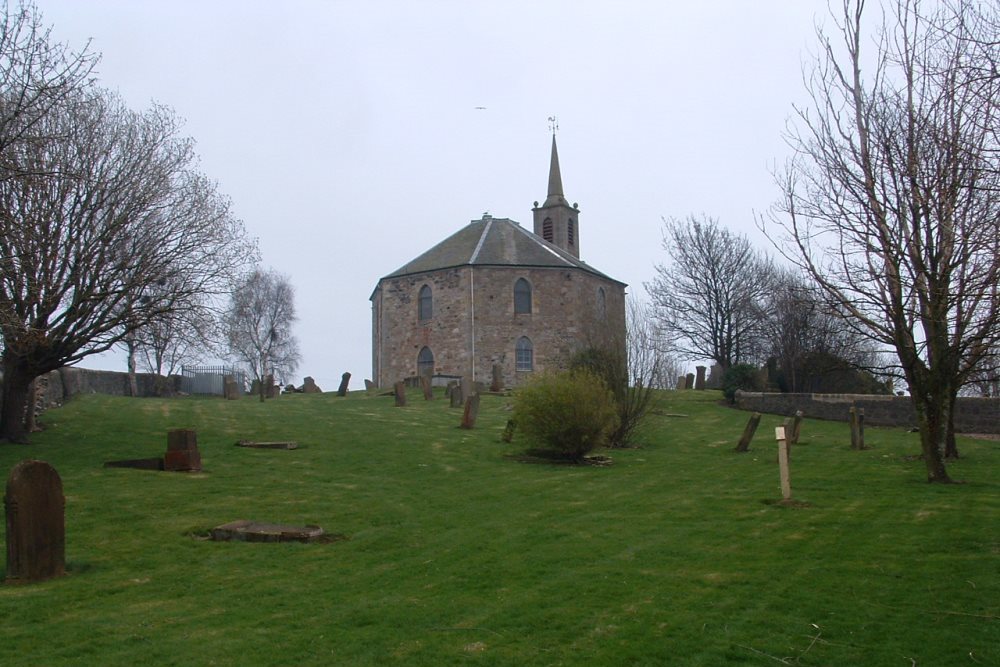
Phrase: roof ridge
(482, 239)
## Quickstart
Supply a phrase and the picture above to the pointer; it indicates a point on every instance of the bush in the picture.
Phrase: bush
(568, 413)
(632, 401)
(737, 377)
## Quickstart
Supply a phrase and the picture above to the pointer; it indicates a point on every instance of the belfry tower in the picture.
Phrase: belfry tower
(555, 220)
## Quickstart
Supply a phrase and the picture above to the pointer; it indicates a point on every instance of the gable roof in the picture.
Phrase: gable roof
(494, 242)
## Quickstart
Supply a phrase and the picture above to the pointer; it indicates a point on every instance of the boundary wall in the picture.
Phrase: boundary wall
(972, 414)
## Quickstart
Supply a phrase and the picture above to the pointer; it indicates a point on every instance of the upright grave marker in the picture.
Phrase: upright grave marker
(496, 383)
(681, 382)
(857, 421)
(793, 437)
(425, 386)
(36, 524)
(399, 391)
(345, 379)
(471, 411)
(182, 451)
(455, 395)
(309, 386)
(689, 381)
(699, 382)
(748, 431)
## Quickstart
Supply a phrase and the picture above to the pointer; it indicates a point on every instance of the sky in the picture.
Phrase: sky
(353, 136)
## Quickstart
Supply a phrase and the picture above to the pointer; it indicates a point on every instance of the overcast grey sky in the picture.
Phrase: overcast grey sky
(349, 138)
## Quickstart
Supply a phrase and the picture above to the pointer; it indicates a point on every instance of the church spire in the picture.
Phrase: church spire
(555, 194)
(556, 221)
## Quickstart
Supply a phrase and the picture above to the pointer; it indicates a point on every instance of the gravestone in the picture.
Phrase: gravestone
(36, 523)
(689, 381)
(425, 386)
(748, 431)
(345, 380)
(309, 386)
(182, 451)
(370, 387)
(471, 412)
(455, 395)
(699, 383)
(255, 387)
(793, 437)
(230, 389)
(255, 531)
(857, 422)
(496, 383)
(681, 383)
(715, 374)
(399, 391)
(271, 390)
(468, 388)
(783, 464)
(508, 431)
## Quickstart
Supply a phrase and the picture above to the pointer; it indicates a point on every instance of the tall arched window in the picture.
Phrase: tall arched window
(547, 230)
(425, 361)
(425, 304)
(522, 296)
(602, 303)
(524, 354)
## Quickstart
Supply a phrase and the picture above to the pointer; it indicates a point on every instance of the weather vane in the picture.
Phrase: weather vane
(553, 124)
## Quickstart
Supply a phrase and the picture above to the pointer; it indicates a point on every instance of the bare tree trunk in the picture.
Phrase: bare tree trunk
(133, 386)
(950, 447)
(16, 386)
(933, 417)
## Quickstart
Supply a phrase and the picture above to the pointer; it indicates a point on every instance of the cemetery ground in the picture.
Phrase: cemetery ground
(457, 552)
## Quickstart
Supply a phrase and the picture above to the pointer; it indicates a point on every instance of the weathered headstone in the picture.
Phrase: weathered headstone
(496, 383)
(508, 431)
(425, 386)
(399, 391)
(748, 431)
(793, 437)
(715, 374)
(309, 386)
(255, 387)
(230, 389)
(370, 387)
(787, 425)
(254, 531)
(271, 390)
(681, 383)
(455, 395)
(182, 451)
(345, 380)
(36, 523)
(689, 381)
(857, 422)
(699, 382)
(471, 412)
(786, 481)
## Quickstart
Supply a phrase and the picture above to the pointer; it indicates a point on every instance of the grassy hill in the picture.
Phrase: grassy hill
(460, 553)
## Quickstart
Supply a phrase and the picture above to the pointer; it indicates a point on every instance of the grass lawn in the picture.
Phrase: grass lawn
(459, 553)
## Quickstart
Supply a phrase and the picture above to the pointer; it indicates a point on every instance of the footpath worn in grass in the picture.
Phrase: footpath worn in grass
(458, 553)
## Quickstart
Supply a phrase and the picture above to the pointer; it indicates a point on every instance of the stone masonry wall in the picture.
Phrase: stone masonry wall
(565, 317)
(972, 415)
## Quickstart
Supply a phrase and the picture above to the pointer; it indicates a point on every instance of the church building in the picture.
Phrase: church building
(494, 293)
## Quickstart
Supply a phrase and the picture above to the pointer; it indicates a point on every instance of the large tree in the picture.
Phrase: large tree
(707, 298)
(891, 200)
(100, 210)
(258, 326)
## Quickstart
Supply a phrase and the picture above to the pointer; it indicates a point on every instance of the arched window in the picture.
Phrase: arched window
(524, 354)
(522, 296)
(547, 229)
(602, 303)
(425, 361)
(425, 304)
(571, 232)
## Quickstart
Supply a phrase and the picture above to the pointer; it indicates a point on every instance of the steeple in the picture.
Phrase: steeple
(555, 195)
(555, 220)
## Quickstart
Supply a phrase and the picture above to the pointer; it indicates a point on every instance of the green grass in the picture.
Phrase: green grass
(460, 554)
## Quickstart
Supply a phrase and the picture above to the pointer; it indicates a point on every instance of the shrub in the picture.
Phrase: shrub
(632, 400)
(568, 413)
(739, 376)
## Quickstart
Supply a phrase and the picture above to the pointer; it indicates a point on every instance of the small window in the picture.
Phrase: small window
(524, 354)
(425, 361)
(547, 229)
(425, 304)
(522, 296)
(570, 232)
(602, 303)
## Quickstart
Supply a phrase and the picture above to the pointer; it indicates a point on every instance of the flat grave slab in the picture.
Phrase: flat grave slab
(255, 531)
(155, 463)
(267, 445)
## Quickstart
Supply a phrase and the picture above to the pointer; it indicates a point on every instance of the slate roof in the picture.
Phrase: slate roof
(494, 242)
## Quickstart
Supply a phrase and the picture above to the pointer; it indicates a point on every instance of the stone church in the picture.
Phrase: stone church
(494, 293)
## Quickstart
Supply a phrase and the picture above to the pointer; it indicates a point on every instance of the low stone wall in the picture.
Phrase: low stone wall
(972, 415)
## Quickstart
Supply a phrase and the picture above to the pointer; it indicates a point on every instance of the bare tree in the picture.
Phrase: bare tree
(891, 201)
(258, 326)
(708, 298)
(98, 212)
